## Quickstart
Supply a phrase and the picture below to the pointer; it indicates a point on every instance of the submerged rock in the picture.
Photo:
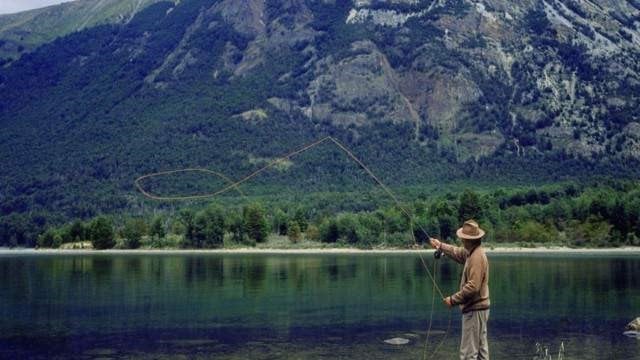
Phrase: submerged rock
(633, 326)
(397, 341)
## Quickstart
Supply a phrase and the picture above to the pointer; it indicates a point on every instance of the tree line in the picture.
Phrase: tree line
(598, 215)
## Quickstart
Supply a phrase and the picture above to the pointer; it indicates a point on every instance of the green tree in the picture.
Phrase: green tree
(157, 228)
(236, 228)
(77, 232)
(280, 222)
(470, 207)
(186, 219)
(329, 231)
(313, 233)
(531, 232)
(300, 217)
(294, 232)
(593, 232)
(132, 232)
(101, 233)
(47, 239)
(255, 223)
(395, 221)
(349, 228)
(209, 228)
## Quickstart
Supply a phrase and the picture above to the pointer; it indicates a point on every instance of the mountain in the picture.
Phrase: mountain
(424, 91)
(23, 32)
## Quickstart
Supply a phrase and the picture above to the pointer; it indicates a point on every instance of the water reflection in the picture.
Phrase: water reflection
(302, 304)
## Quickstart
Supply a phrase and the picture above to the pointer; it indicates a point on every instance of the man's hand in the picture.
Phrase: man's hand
(447, 301)
(435, 243)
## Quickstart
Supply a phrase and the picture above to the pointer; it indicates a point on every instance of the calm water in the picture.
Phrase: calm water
(305, 306)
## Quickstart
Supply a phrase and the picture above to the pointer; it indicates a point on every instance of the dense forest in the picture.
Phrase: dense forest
(603, 214)
(431, 107)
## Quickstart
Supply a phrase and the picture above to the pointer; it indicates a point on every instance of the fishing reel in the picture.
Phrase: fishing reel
(437, 254)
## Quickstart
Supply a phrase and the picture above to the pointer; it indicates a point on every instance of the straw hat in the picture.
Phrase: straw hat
(470, 231)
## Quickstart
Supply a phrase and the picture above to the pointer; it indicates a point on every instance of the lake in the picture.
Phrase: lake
(312, 306)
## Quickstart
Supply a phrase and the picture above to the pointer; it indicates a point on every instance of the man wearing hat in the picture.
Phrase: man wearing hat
(473, 297)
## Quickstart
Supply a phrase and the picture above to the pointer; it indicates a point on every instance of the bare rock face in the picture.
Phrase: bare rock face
(247, 17)
(359, 89)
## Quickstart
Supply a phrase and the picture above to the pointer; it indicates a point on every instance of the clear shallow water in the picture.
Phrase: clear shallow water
(305, 306)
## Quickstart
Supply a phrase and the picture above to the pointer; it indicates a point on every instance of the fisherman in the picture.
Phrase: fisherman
(473, 297)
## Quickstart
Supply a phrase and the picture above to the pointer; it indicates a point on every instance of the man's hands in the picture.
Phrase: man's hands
(435, 243)
(447, 301)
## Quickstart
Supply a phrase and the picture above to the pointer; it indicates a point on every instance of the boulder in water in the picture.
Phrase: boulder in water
(397, 341)
(633, 326)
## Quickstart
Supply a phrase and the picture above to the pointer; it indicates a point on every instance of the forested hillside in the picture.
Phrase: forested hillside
(428, 93)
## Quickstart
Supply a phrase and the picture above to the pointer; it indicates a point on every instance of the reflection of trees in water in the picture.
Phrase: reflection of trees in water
(102, 268)
(205, 271)
(625, 273)
(256, 273)
(313, 281)
(340, 269)
(21, 279)
(447, 272)
(133, 266)
(331, 269)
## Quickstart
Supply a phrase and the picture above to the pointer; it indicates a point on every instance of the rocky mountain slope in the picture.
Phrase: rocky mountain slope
(474, 89)
(22, 32)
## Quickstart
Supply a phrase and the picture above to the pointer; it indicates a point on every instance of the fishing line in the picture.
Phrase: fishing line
(235, 185)
(191, 197)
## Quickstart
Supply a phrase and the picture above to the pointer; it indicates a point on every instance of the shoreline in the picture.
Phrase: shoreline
(319, 251)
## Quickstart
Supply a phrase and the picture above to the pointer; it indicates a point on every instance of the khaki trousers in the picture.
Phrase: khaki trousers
(474, 343)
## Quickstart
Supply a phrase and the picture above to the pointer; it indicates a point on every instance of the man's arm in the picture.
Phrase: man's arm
(471, 287)
(458, 254)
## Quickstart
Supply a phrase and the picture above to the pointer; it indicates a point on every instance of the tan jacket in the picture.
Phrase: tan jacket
(474, 284)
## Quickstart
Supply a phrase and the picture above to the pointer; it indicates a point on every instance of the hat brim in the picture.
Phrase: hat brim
(462, 235)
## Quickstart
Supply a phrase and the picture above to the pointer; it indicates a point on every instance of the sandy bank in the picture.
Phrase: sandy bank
(505, 250)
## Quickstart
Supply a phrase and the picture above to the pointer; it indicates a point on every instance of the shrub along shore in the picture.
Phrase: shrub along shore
(567, 215)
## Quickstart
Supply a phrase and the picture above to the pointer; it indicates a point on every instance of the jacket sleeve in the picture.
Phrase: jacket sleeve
(471, 287)
(458, 254)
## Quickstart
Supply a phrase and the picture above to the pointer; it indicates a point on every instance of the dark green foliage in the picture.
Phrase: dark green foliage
(329, 232)
(537, 22)
(470, 207)
(576, 58)
(47, 239)
(77, 232)
(280, 222)
(209, 228)
(293, 232)
(596, 215)
(156, 229)
(300, 217)
(186, 217)
(132, 233)
(101, 233)
(255, 223)
(349, 228)
(237, 229)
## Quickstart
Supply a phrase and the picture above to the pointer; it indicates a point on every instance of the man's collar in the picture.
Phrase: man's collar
(469, 252)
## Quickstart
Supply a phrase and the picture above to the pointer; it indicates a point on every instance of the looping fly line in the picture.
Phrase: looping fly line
(236, 186)
(150, 195)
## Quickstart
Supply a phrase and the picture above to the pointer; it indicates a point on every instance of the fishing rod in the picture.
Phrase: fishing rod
(235, 185)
